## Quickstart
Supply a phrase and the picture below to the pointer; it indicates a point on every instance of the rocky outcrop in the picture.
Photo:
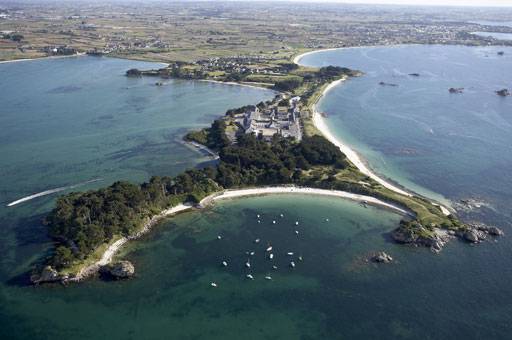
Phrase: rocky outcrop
(47, 275)
(418, 235)
(456, 90)
(381, 257)
(387, 84)
(501, 53)
(133, 72)
(119, 270)
(414, 74)
(503, 93)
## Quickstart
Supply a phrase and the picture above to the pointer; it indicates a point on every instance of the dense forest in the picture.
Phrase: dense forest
(81, 222)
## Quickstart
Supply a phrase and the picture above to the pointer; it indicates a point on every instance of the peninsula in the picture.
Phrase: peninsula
(278, 146)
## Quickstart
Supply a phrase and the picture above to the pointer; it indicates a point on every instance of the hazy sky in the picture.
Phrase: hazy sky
(433, 2)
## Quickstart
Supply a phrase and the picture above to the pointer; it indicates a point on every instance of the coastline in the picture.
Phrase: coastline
(320, 124)
(44, 58)
(235, 83)
(114, 248)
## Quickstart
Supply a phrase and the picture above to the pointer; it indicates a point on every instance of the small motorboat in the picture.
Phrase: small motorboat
(251, 253)
(257, 240)
(296, 232)
(271, 256)
(269, 248)
(248, 264)
(219, 237)
(292, 264)
(213, 284)
(224, 264)
(268, 277)
(281, 215)
(274, 267)
(273, 222)
(249, 276)
(300, 258)
(289, 253)
(296, 222)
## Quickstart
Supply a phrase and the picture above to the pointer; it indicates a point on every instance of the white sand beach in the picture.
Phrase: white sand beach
(230, 194)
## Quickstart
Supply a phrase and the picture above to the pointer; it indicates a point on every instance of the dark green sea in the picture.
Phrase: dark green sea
(72, 120)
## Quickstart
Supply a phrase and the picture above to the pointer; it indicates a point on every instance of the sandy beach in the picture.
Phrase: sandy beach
(230, 194)
(43, 58)
(234, 83)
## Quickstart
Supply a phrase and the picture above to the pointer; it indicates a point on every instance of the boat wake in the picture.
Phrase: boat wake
(51, 191)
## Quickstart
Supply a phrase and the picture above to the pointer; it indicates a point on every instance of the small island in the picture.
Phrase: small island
(503, 93)
(456, 90)
(273, 146)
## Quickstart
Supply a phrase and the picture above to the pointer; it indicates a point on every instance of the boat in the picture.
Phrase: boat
(268, 277)
(326, 220)
(274, 267)
(258, 216)
(224, 263)
(257, 240)
(281, 215)
(251, 253)
(296, 222)
(292, 264)
(290, 253)
(269, 248)
(273, 222)
(248, 264)
(271, 256)
(300, 258)
(213, 284)
(259, 221)
(249, 276)
(219, 237)
(297, 232)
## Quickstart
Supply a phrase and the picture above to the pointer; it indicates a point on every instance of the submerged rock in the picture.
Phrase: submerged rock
(381, 257)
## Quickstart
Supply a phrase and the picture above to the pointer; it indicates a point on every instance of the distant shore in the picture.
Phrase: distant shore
(43, 58)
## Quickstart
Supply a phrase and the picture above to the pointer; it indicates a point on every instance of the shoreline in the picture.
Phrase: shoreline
(114, 248)
(320, 124)
(43, 58)
(235, 83)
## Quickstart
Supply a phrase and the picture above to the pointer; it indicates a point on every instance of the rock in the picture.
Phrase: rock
(456, 90)
(387, 84)
(414, 74)
(133, 73)
(48, 274)
(495, 231)
(381, 257)
(501, 53)
(122, 270)
(503, 93)
(471, 236)
(403, 235)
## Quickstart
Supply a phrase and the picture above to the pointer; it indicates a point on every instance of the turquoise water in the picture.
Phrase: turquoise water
(417, 132)
(333, 293)
(496, 35)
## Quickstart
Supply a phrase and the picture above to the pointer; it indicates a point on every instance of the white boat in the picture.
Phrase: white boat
(290, 253)
(296, 222)
(281, 215)
(274, 267)
(268, 277)
(257, 240)
(269, 248)
(258, 216)
(326, 220)
(251, 253)
(259, 221)
(300, 258)
(273, 222)
(248, 264)
(297, 232)
(219, 237)
(249, 276)
(213, 284)
(292, 264)
(271, 256)
(224, 263)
